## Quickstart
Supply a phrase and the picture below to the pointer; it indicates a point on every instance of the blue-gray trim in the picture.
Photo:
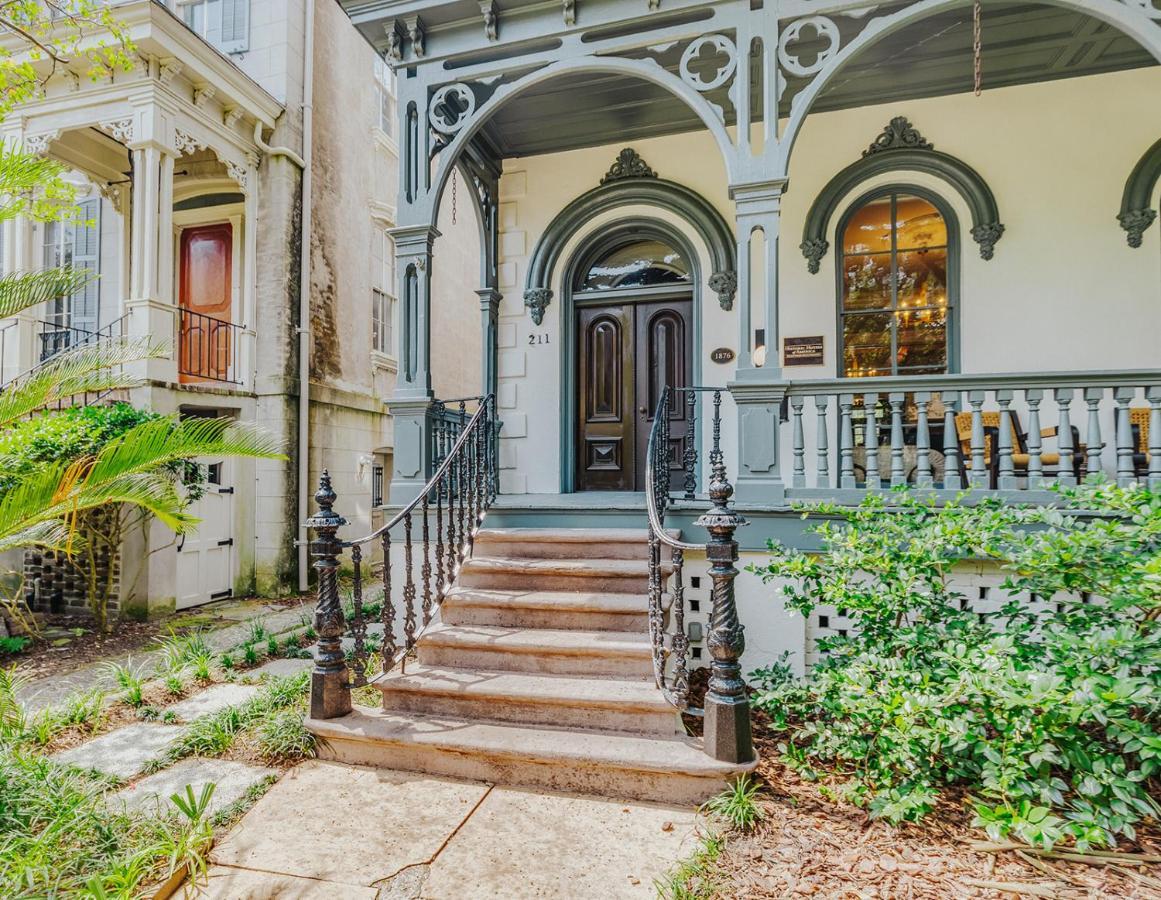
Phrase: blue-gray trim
(986, 228)
(953, 263)
(669, 195)
(1137, 212)
(634, 228)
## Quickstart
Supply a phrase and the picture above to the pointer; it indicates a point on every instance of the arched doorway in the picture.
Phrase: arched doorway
(632, 299)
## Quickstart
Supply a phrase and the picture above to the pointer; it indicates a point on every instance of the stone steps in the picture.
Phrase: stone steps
(538, 672)
(672, 770)
(549, 651)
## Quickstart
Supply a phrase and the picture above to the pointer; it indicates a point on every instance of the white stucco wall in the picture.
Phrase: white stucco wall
(1064, 291)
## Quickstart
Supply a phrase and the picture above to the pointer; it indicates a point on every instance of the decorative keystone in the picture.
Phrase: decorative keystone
(537, 300)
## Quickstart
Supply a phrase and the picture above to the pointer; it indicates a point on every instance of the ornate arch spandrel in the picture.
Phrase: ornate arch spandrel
(1137, 212)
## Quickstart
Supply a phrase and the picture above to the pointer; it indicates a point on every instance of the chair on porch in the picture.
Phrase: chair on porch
(1049, 459)
(1139, 422)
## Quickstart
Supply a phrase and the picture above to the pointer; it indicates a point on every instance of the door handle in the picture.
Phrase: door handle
(643, 410)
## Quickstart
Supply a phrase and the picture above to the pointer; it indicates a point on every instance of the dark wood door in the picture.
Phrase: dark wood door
(625, 355)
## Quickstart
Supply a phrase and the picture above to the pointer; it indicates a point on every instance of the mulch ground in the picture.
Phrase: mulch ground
(808, 845)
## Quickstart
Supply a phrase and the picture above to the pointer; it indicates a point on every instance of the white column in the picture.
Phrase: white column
(165, 273)
(248, 315)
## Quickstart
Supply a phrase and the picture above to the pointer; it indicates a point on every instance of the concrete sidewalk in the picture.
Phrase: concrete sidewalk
(330, 831)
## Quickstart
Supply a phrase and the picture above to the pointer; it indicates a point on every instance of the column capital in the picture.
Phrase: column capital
(755, 198)
(489, 299)
(413, 239)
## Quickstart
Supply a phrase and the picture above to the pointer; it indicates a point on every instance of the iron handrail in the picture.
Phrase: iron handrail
(431, 483)
(651, 487)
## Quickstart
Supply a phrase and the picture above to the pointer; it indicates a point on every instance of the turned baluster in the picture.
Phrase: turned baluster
(822, 447)
(440, 580)
(426, 570)
(871, 439)
(1124, 434)
(1033, 397)
(799, 478)
(358, 623)
(923, 474)
(1067, 474)
(846, 442)
(1007, 471)
(952, 472)
(898, 473)
(978, 474)
(1093, 440)
(680, 640)
(1153, 395)
(408, 587)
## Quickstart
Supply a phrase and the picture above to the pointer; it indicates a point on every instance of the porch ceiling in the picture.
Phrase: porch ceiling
(1022, 43)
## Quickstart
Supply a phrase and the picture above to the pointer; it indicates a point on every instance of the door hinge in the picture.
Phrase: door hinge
(228, 542)
(228, 592)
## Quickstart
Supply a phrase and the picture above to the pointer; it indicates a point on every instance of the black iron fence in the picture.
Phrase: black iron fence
(57, 337)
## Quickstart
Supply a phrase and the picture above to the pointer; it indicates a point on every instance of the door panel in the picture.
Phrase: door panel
(664, 345)
(605, 436)
(626, 354)
(206, 289)
(205, 555)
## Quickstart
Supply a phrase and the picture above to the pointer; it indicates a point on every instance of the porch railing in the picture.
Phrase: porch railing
(1013, 433)
(56, 337)
(208, 348)
(447, 512)
(726, 708)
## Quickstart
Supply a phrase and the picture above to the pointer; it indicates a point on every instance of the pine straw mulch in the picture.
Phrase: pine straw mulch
(808, 845)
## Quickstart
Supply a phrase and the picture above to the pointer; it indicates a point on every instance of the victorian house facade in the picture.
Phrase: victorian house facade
(736, 255)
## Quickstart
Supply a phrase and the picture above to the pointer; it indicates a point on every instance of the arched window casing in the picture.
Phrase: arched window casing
(897, 284)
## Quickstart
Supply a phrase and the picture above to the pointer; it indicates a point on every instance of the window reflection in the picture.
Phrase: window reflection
(894, 291)
(639, 264)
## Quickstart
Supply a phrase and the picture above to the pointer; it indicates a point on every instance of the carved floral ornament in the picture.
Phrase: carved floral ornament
(628, 164)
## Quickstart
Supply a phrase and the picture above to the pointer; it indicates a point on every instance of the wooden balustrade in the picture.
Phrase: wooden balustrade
(986, 433)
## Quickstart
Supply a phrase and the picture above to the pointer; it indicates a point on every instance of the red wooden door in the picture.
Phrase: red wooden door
(205, 295)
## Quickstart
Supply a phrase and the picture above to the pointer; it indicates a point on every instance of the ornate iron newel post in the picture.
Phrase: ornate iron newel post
(330, 688)
(727, 708)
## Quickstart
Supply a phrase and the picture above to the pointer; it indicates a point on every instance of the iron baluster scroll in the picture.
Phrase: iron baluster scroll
(726, 710)
(453, 504)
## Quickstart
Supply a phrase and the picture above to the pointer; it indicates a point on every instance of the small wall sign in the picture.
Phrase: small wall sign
(722, 355)
(803, 351)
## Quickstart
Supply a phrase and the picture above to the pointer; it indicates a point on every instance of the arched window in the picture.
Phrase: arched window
(641, 263)
(897, 285)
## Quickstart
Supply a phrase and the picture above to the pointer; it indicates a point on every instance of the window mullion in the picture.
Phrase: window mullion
(894, 285)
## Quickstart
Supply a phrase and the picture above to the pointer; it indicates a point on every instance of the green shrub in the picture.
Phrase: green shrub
(1051, 720)
(272, 646)
(13, 645)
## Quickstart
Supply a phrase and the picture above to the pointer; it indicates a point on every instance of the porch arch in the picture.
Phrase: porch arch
(986, 228)
(1137, 212)
(645, 70)
(1132, 17)
(687, 204)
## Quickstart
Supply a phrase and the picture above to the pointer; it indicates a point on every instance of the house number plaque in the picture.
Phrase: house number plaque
(722, 355)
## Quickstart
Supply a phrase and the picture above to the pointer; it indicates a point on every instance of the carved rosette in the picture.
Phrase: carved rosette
(185, 144)
(899, 134)
(986, 235)
(1136, 222)
(628, 165)
(537, 300)
(814, 250)
(722, 46)
(120, 130)
(451, 108)
(816, 28)
(725, 285)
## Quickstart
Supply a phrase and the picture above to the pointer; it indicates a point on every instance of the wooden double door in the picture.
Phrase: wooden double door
(627, 353)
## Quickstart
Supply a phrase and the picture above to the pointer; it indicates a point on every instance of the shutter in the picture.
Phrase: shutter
(85, 305)
(235, 23)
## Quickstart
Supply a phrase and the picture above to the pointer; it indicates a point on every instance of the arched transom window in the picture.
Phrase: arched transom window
(644, 263)
(896, 291)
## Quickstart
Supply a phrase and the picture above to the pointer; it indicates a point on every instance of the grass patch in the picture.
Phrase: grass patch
(214, 734)
(692, 878)
(736, 805)
(282, 736)
(59, 838)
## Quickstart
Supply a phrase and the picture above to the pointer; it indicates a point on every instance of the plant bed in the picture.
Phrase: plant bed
(807, 845)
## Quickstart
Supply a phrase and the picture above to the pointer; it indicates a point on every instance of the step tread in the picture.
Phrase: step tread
(526, 687)
(539, 640)
(567, 535)
(581, 568)
(633, 752)
(564, 601)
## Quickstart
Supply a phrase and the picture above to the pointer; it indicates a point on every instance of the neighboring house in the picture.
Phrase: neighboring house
(189, 170)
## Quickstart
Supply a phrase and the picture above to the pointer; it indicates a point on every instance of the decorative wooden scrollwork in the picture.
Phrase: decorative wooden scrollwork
(825, 29)
(723, 46)
(451, 107)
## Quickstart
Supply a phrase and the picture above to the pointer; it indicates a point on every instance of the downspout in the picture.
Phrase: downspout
(303, 329)
(304, 298)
